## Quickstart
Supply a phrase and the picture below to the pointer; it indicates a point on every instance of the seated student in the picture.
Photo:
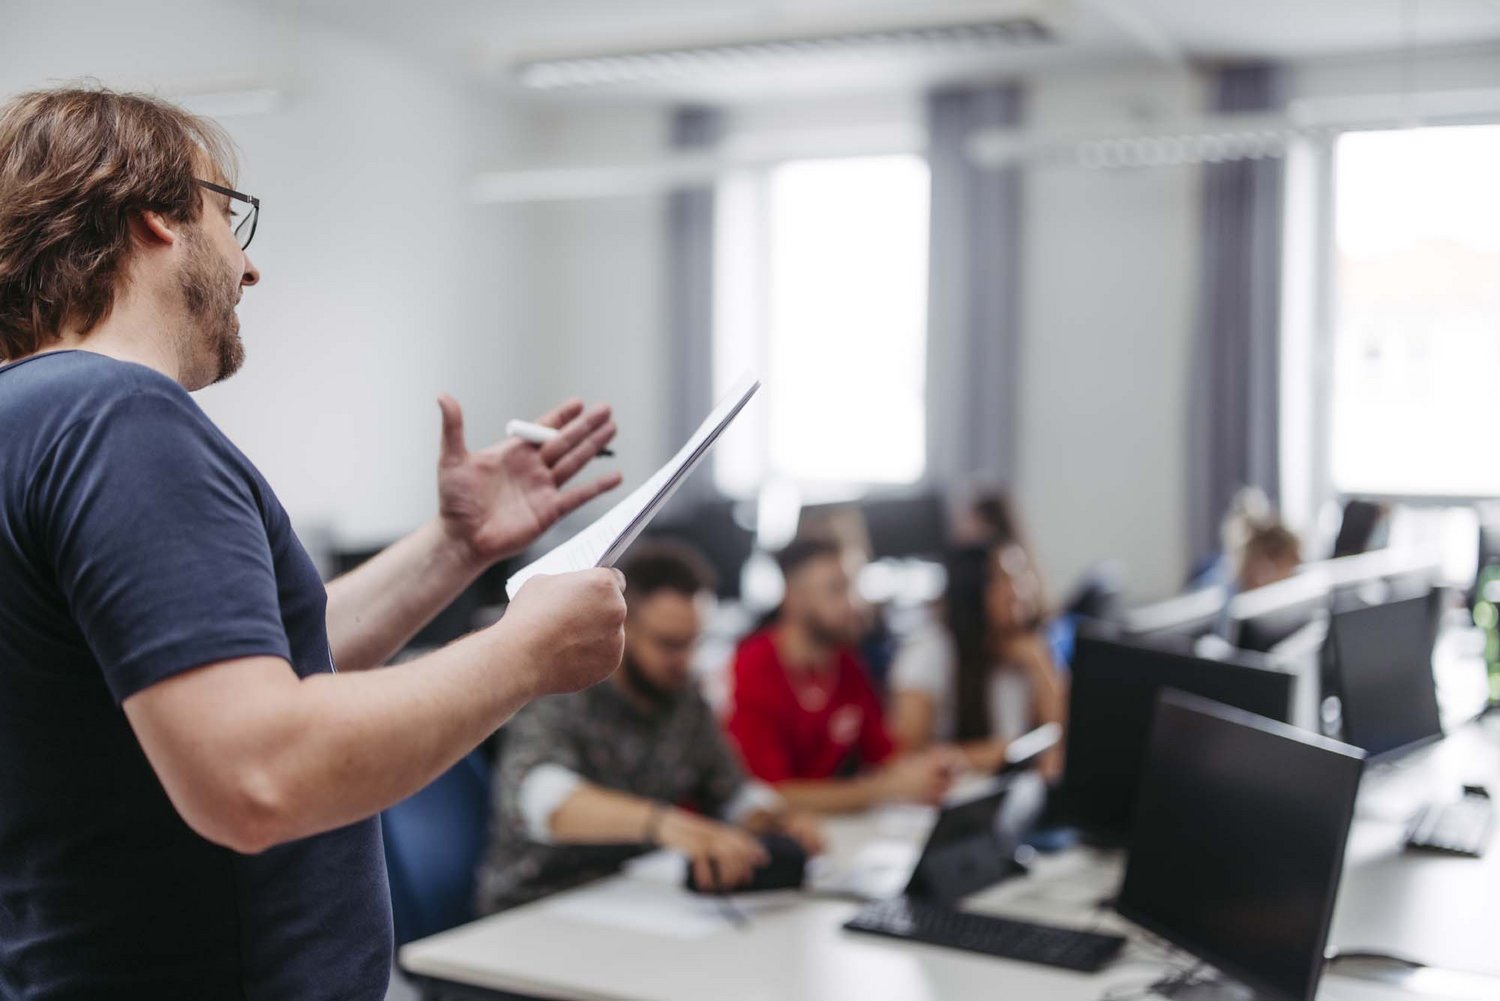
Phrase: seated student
(982, 673)
(803, 711)
(1248, 508)
(1271, 553)
(587, 781)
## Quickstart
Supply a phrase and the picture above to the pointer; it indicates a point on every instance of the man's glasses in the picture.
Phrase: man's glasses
(246, 218)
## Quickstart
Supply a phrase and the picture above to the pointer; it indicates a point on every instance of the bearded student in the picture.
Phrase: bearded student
(591, 780)
(188, 789)
(803, 712)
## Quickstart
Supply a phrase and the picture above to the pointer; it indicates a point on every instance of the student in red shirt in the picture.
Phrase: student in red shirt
(804, 714)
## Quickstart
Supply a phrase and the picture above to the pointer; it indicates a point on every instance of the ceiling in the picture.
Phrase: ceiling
(487, 38)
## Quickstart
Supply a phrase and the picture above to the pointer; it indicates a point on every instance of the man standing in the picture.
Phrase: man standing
(590, 780)
(187, 788)
(805, 716)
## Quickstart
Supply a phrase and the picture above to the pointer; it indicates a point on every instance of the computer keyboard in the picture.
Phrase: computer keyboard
(933, 924)
(1461, 827)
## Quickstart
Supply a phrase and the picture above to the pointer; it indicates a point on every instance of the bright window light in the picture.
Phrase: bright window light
(1417, 312)
(840, 324)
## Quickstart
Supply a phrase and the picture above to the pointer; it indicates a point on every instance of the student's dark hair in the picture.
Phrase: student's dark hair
(963, 606)
(997, 513)
(801, 552)
(970, 571)
(666, 565)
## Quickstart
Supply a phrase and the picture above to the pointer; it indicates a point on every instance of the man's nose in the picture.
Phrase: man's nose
(252, 273)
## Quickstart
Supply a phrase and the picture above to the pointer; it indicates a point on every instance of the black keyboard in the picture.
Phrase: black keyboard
(1458, 828)
(933, 924)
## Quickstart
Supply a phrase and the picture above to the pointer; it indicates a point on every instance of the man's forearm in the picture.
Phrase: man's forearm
(279, 758)
(831, 795)
(593, 815)
(374, 609)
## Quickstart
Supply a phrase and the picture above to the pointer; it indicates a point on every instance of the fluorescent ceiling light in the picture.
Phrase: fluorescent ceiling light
(647, 66)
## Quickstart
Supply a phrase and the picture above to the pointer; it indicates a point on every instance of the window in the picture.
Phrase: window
(822, 287)
(1416, 329)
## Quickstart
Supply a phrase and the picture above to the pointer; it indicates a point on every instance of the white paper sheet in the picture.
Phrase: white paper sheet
(603, 542)
(641, 906)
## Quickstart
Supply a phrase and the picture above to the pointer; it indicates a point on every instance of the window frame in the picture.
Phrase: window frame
(753, 185)
(1320, 164)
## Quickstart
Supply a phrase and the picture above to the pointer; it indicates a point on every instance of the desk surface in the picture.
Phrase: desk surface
(639, 936)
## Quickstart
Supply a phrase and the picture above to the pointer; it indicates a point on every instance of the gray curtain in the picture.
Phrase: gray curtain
(973, 315)
(1235, 392)
(690, 299)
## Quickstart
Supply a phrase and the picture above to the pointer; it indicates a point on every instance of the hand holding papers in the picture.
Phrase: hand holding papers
(603, 542)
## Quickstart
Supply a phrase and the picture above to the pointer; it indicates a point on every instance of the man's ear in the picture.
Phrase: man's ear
(153, 228)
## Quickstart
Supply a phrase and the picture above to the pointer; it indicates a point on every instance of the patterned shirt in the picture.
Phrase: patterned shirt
(673, 753)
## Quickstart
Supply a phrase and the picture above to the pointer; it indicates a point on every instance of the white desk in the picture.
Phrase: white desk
(597, 943)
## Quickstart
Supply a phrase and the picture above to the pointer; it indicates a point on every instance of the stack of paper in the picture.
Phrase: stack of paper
(603, 542)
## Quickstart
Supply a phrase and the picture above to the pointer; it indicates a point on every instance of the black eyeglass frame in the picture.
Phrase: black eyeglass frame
(251, 200)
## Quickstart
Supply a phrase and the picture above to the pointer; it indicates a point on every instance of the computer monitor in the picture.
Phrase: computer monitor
(1381, 660)
(1261, 619)
(1191, 615)
(1113, 695)
(973, 844)
(1239, 842)
(905, 527)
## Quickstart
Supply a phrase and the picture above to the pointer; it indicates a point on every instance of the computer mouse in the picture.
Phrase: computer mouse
(786, 870)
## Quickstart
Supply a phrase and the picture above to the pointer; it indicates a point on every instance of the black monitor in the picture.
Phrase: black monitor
(915, 526)
(1113, 695)
(1239, 842)
(1189, 615)
(973, 844)
(1381, 661)
(1262, 619)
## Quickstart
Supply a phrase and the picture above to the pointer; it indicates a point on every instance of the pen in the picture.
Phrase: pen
(536, 434)
(732, 914)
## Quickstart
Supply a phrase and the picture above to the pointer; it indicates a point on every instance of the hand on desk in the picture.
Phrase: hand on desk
(498, 500)
(920, 777)
(714, 850)
(805, 829)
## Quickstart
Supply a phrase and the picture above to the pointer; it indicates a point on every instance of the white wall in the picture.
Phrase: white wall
(595, 306)
(1108, 293)
(381, 285)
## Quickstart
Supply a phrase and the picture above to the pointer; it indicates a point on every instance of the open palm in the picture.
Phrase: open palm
(498, 500)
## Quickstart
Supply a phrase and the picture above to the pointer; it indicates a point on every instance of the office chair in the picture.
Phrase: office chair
(433, 844)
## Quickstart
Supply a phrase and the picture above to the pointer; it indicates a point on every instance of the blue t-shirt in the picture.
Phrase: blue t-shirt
(136, 542)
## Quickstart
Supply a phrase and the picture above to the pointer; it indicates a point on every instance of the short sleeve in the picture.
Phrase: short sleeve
(924, 663)
(539, 737)
(159, 546)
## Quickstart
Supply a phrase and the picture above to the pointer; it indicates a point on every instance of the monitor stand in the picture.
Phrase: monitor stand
(1208, 987)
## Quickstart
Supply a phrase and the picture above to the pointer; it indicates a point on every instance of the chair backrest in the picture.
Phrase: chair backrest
(434, 841)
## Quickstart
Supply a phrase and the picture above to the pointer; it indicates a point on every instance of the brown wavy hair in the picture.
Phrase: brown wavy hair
(75, 165)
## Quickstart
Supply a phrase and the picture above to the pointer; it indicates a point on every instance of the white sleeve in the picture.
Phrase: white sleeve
(543, 792)
(753, 797)
(924, 663)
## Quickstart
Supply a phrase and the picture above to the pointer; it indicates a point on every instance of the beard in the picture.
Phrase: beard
(210, 349)
(827, 635)
(659, 696)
